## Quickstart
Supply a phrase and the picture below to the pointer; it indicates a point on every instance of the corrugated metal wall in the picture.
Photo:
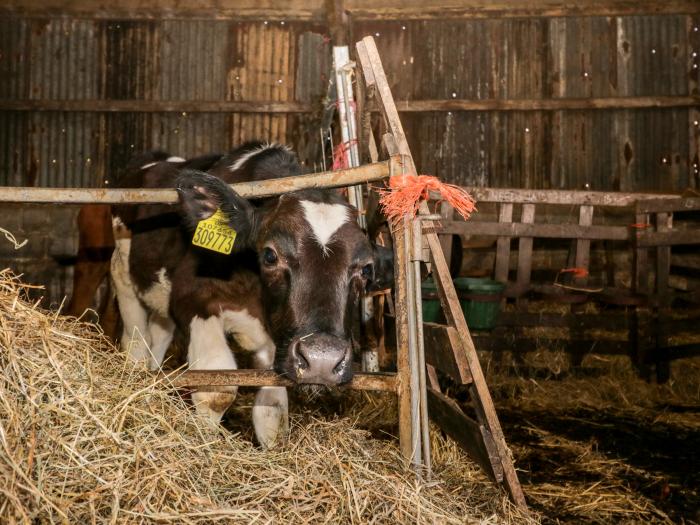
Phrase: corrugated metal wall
(255, 61)
(170, 60)
(572, 57)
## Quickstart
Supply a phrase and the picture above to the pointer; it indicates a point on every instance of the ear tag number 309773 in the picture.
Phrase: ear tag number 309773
(215, 234)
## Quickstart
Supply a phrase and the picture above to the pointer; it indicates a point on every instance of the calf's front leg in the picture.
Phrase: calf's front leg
(270, 410)
(208, 350)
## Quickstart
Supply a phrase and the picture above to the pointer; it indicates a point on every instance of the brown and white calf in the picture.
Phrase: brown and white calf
(287, 292)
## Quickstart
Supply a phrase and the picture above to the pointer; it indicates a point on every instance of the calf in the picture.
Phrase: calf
(287, 291)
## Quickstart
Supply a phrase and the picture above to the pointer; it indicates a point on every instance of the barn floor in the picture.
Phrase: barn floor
(593, 444)
(599, 445)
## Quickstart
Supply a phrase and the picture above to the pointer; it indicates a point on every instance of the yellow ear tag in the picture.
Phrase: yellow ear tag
(215, 234)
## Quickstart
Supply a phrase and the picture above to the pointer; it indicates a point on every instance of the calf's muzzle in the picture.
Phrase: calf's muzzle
(321, 359)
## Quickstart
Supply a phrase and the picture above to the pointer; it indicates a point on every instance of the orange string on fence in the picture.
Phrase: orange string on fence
(406, 191)
(578, 272)
(340, 157)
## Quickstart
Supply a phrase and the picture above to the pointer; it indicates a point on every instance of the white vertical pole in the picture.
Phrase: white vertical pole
(343, 69)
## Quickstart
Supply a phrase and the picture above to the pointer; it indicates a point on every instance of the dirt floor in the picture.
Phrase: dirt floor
(593, 444)
(598, 445)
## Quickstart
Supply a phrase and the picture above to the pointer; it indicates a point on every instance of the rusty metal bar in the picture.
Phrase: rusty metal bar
(330, 179)
(205, 380)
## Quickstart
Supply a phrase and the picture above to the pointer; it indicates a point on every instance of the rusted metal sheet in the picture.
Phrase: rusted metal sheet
(69, 59)
(560, 58)
(13, 58)
(284, 60)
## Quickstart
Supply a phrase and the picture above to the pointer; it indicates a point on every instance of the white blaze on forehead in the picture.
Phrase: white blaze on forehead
(325, 219)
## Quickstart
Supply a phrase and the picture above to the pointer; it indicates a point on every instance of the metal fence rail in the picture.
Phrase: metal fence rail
(327, 179)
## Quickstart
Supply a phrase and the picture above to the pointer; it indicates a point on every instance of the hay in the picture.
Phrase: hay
(88, 438)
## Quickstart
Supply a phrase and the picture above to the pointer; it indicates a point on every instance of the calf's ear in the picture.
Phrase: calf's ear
(383, 268)
(201, 194)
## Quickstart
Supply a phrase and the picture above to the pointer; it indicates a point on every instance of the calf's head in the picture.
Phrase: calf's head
(315, 263)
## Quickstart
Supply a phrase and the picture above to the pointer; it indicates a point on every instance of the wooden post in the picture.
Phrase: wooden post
(664, 223)
(505, 215)
(525, 256)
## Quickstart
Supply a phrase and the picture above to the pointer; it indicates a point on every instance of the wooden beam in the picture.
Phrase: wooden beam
(502, 265)
(544, 231)
(157, 106)
(266, 188)
(215, 379)
(412, 106)
(668, 205)
(485, 9)
(594, 198)
(358, 9)
(493, 343)
(548, 104)
(668, 238)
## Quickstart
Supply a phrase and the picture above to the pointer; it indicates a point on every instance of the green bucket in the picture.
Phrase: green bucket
(481, 301)
(431, 302)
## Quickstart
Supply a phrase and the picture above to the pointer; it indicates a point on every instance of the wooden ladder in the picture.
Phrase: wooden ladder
(450, 348)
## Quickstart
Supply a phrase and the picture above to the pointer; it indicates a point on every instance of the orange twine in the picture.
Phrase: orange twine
(340, 157)
(406, 191)
(578, 272)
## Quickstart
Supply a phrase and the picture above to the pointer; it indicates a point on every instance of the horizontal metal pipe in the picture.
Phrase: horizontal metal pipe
(329, 179)
(215, 379)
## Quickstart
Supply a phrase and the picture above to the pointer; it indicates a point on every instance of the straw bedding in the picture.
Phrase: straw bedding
(88, 438)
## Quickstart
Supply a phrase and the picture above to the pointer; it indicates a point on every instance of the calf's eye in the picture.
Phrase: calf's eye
(367, 271)
(269, 256)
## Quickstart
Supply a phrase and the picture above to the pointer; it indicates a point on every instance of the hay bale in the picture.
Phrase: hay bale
(88, 438)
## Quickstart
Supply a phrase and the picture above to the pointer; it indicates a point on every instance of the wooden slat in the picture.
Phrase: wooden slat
(491, 343)
(157, 106)
(263, 188)
(640, 262)
(286, 107)
(443, 349)
(547, 104)
(505, 216)
(475, 439)
(207, 379)
(545, 231)
(316, 11)
(447, 213)
(574, 198)
(664, 222)
(668, 238)
(445, 352)
(583, 245)
(668, 205)
(525, 252)
(500, 9)
(609, 321)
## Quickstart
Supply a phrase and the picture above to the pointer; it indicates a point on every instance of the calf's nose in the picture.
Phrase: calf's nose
(321, 359)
